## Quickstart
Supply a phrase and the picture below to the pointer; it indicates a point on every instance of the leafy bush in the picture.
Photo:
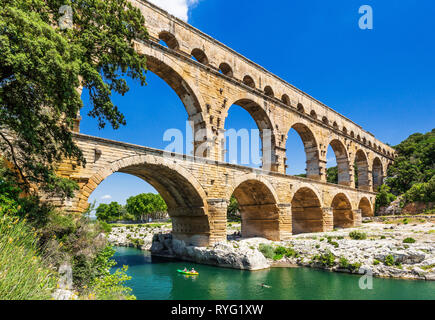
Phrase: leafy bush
(327, 259)
(376, 262)
(421, 192)
(343, 263)
(266, 250)
(409, 240)
(355, 235)
(389, 260)
(384, 197)
(354, 266)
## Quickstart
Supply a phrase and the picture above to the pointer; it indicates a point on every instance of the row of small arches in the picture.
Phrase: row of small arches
(200, 56)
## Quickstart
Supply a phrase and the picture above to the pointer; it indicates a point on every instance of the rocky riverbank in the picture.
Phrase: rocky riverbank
(378, 247)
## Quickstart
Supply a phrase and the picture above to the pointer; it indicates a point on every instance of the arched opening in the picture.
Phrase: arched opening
(342, 212)
(365, 207)
(361, 170)
(301, 108)
(335, 125)
(377, 173)
(226, 69)
(268, 91)
(167, 96)
(182, 194)
(337, 167)
(307, 215)
(313, 114)
(248, 135)
(200, 56)
(344, 130)
(325, 120)
(249, 81)
(258, 209)
(352, 134)
(169, 39)
(285, 99)
(308, 160)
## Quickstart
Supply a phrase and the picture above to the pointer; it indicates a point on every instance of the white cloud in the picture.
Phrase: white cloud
(178, 8)
(106, 197)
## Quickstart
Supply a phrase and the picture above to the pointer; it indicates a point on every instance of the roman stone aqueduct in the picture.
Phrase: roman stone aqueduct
(210, 77)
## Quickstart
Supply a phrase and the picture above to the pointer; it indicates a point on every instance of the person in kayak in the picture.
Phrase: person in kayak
(185, 269)
(193, 271)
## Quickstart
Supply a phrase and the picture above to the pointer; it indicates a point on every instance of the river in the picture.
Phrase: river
(157, 279)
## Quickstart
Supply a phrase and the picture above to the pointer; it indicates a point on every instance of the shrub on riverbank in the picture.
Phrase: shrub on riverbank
(34, 236)
(24, 275)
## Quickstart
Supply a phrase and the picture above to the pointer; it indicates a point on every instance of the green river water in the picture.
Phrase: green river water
(157, 279)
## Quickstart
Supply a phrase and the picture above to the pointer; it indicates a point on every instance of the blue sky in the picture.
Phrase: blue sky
(383, 79)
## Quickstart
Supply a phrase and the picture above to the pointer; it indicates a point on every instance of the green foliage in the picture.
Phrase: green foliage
(409, 240)
(41, 67)
(109, 212)
(233, 210)
(326, 259)
(24, 275)
(390, 261)
(332, 175)
(415, 163)
(384, 197)
(355, 235)
(343, 263)
(266, 250)
(421, 192)
(376, 262)
(146, 205)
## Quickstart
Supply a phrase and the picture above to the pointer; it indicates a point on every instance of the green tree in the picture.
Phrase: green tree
(332, 175)
(384, 197)
(109, 212)
(146, 205)
(233, 210)
(41, 68)
(415, 163)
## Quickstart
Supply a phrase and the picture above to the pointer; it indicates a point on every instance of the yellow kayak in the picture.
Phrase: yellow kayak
(188, 272)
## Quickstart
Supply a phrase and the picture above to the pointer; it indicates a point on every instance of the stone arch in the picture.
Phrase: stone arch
(263, 122)
(311, 150)
(335, 125)
(344, 130)
(268, 91)
(184, 196)
(226, 69)
(363, 169)
(325, 120)
(170, 40)
(171, 74)
(285, 99)
(342, 162)
(377, 173)
(343, 216)
(258, 207)
(200, 56)
(352, 134)
(301, 108)
(249, 81)
(365, 207)
(307, 213)
(313, 114)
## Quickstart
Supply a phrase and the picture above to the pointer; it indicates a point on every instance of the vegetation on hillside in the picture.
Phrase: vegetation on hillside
(413, 173)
